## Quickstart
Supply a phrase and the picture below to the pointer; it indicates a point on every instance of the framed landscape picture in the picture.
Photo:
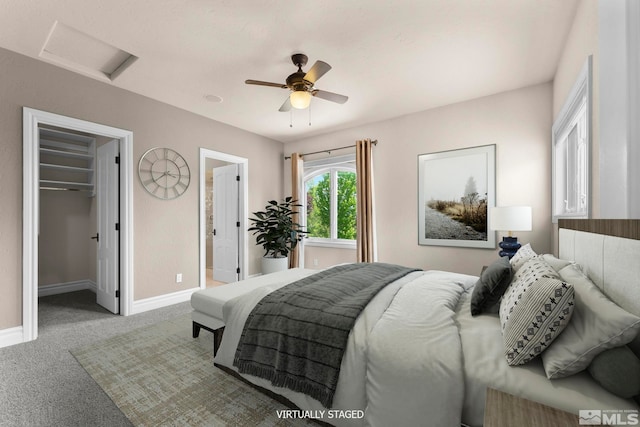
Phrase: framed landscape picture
(456, 190)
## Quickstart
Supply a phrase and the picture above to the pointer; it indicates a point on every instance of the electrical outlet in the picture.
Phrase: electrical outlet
(179, 278)
(315, 262)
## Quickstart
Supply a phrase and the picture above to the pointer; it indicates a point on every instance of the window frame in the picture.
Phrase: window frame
(315, 168)
(577, 105)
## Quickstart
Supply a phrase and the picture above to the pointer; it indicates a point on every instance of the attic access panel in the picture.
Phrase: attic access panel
(80, 52)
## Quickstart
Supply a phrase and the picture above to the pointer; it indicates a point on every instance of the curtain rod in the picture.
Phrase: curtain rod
(374, 142)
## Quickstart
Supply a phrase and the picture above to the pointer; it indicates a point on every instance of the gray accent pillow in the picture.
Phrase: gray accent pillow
(598, 324)
(534, 310)
(489, 288)
(618, 371)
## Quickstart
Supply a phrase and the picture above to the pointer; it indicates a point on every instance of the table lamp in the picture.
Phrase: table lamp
(510, 219)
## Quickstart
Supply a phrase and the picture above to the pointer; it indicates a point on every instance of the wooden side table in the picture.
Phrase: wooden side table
(506, 410)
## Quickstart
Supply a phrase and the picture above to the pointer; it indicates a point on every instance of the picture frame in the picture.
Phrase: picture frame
(456, 191)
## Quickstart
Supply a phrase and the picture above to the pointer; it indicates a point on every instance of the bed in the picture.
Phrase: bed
(417, 353)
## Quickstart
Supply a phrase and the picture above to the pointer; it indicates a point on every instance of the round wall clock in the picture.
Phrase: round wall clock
(164, 173)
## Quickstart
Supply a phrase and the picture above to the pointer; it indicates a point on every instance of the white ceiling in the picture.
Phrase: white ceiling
(390, 57)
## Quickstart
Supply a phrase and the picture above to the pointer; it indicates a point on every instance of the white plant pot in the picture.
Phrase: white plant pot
(272, 265)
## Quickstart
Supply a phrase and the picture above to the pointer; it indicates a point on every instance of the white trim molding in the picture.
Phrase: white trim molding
(633, 105)
(63, 288)
(31, 120)
(619, 106)
(11, 336)
(140, 306)
(577, 106)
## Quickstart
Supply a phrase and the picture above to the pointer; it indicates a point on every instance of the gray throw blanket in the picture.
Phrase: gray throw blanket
(295, 337)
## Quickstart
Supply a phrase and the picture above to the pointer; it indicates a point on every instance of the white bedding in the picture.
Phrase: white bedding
(350, 392)
(416, 354)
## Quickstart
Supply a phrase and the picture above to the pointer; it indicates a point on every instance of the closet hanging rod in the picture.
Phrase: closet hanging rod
(374, 142)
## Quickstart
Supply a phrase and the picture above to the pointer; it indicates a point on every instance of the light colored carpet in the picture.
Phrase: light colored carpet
(160, 376)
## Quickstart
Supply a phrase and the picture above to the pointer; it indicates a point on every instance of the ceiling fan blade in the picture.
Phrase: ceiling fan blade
(330, 96)
(318, 70)
(259, 83)
(286, 106)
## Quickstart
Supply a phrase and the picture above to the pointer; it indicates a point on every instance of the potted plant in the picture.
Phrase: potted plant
(277, 233)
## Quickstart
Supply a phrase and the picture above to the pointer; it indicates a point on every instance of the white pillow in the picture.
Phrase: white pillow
(524, 254)
(598, 324)
(536, 307)
(556, 263)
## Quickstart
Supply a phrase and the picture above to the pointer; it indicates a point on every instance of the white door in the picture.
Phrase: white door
(107, 267)
(225, 223)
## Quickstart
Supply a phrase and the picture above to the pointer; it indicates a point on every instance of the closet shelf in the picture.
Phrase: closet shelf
(63, 184)
(65, 168)
(67, 152)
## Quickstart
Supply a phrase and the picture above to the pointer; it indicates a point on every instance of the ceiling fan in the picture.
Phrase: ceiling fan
(301, 84)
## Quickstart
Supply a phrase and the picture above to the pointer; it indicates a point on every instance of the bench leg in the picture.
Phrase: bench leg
(196, 329)
(217, 335)
(217, 339)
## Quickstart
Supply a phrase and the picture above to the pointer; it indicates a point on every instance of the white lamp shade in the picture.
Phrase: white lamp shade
(300, 99)
(511, 218)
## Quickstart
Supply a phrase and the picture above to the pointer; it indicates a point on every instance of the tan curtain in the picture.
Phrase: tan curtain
(297, 169)
(366, 244)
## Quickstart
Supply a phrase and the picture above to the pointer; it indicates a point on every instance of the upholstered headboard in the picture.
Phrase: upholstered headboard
(609, 253)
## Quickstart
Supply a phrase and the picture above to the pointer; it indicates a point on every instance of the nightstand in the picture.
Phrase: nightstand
(506, 410)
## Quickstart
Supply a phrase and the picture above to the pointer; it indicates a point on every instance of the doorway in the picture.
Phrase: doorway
(223, 217)
(77, 241)
(33, 120)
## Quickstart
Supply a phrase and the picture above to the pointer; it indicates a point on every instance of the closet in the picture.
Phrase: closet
(66, 253)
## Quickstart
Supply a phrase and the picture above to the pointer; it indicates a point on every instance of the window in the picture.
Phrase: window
(330, 202)
(571, 139)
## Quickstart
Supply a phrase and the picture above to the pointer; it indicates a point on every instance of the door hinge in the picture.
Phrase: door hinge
(117, 226)
(118, 294)
(214, 231)
(237, 177)
(238, 270)
(118, 160)
(238, 224)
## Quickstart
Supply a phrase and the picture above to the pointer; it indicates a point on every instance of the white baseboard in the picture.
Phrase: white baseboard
(11, 336)
(160, 301)
(62, 288)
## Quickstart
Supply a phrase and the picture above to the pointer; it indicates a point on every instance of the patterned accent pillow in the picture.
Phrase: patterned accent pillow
(535, 266)
(536, 307)
(533, 269)
(524, 254)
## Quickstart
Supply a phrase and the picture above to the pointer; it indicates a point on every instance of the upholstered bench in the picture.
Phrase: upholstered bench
(208, 303)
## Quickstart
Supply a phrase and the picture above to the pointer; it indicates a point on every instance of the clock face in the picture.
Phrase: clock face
(164, 173)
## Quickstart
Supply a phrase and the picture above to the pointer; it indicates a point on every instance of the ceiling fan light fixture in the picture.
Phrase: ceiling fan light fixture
(302, 85)
(300, 99)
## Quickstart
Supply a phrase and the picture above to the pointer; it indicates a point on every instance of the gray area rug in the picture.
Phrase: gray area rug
(160, 376)
(42, 384)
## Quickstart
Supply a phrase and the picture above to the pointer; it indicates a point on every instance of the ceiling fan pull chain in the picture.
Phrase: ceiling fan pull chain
(290, 118)
(309, 114)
